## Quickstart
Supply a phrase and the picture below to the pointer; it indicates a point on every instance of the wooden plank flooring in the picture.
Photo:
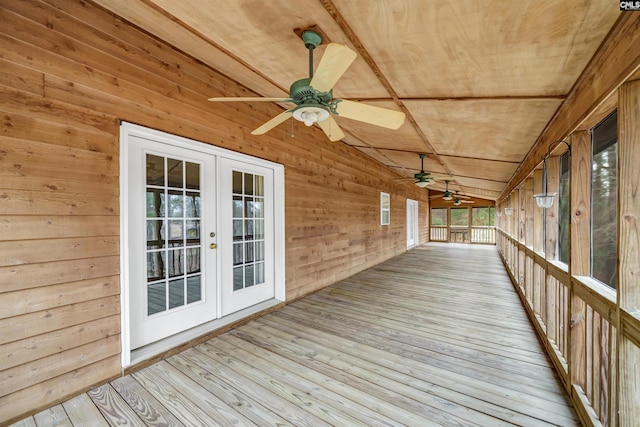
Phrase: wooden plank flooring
(434, 337)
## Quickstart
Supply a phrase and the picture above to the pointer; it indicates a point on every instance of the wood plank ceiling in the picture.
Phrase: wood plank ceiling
(478, 79)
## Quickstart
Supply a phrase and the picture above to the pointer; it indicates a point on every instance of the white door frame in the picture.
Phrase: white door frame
(413, 232)
(129, 129)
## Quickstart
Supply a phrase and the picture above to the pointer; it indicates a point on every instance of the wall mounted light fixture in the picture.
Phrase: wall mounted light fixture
(545, 200)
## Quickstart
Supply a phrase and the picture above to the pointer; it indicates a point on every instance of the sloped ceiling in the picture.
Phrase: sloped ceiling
(478, 79)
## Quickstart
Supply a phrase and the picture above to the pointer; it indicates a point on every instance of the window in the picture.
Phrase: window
(604, 201)
(483, 217)
(563, 209)
(439, 216)
(385, 208)
(459, 217)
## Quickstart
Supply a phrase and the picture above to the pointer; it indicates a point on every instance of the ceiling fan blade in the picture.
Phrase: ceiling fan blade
(250, 99)
(334, 62)
(273, 123)
(378, 116)
(331, 129)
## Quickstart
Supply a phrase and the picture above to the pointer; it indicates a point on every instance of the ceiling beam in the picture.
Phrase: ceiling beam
(364, 53)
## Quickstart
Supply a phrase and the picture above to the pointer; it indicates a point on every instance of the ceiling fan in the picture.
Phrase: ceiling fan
(422, 178)
(313, 96)
(448, 195)
(458, 199)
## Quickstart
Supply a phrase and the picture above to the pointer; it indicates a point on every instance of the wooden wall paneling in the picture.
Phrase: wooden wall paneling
(528, 237)
(26, 276)
(59, 363)
(58, 389)
(70, 73)
(35, 299)
(580, 255)
(21, 227)
(38, 346)
(40, 322)
(628, 253)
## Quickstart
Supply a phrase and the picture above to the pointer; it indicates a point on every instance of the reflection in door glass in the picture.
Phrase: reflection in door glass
(173, 233)
(248, 230)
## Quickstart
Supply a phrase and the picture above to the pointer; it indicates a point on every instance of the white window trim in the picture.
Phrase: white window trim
(385, 197)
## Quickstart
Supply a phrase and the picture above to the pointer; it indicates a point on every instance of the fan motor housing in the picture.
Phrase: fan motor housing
(302, 93)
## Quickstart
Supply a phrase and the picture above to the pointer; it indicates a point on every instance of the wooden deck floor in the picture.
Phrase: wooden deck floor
(436, 336)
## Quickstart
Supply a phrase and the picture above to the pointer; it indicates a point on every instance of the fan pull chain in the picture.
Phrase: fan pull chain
(292, 134)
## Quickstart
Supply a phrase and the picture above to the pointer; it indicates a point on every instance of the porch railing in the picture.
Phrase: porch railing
(577, 316)
(456, 234)
(439, 233)
(483, 234)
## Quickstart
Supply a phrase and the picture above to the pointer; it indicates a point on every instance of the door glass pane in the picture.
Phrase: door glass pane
(237, 207)
(237, 182)
(248, 276)
(193, 289)
(259, 185)
(156, 298)
(192, 205)
(248, 184)
(176, 208)
(248, 230)
(193, 176)
(238, 282)
(238, 258)
(155, 203)
(174, 178)
(155, 170)
(176, 293)
(173, 246)
(155, 234)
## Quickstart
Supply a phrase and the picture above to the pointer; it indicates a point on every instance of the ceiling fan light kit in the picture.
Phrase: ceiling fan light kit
(310, 114)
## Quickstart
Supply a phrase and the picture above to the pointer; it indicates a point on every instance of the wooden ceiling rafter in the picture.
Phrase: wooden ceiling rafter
(366, 56)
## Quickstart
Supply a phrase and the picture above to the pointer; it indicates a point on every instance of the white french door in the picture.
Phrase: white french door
(247, 194)
(412, 223)
(172, 216)
(202, 235)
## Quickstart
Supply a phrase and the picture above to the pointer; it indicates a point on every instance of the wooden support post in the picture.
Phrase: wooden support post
(538, 214)
(551, 248)
(539, 293)
(527, 213)
(580, 252)
(628, 254)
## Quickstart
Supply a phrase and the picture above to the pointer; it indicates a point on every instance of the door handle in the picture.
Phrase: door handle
(212, 246)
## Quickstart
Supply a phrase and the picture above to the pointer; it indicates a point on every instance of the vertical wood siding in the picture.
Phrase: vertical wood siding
(69, 72)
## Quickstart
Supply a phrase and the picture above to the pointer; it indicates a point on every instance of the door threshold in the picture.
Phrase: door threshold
(174, 344)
